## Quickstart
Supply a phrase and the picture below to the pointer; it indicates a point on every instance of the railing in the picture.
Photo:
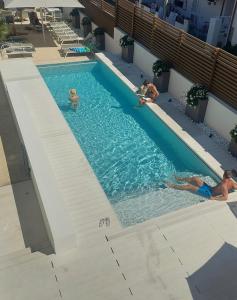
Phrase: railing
(192, 57)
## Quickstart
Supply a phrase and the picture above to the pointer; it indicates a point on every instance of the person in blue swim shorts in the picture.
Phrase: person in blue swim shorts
(198, 186)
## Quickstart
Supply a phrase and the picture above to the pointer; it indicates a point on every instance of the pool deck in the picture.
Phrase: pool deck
(187, 254)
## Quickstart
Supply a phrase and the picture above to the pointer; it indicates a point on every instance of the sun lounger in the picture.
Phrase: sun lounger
(58, 25)
(75, 49)
(16, 49)
(64, 38)
(15, 52)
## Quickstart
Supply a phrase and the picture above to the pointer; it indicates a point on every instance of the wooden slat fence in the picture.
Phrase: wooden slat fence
(192, 57)
(125, 15)
(102, 13)
(108, 8)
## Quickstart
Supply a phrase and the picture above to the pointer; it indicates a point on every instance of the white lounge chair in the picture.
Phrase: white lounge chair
(64, 38)
(15, 49)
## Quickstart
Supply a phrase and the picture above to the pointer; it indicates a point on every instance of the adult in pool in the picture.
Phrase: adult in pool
(198, 186)
(148, 92)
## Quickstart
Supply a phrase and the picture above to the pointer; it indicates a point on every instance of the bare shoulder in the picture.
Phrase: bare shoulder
(234, 185)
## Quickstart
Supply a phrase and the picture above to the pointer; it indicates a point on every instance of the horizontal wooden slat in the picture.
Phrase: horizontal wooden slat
(108, 8)
(126, 5)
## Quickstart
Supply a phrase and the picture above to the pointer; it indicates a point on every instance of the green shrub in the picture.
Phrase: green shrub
(86, 21)
(4, 30)
(197, 93)
(75, 12)
(160, 66)
(126, 41)
(233, 133)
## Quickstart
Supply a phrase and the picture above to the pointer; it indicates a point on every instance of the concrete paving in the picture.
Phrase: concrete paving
(187, 254)
(46, 51)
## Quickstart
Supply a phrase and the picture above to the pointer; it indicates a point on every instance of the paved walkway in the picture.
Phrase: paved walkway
(188, 254)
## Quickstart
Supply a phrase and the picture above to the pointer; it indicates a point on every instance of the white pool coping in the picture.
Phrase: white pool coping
(71, 198)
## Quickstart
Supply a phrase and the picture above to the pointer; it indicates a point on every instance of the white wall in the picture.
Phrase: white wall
(112, 44)
(143, 59)
(219, 116)
(178, 85)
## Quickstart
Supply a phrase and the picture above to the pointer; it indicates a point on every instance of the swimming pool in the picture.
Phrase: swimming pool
(131, 151)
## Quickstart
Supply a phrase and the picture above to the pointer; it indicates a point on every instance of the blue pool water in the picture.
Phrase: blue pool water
(131, 151)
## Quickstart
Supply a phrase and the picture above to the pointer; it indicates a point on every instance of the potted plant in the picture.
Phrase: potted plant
(127, 44)
(99, 34)
(161, 70)
(233, 142)
(197, 99)
(4, 30)
(87, 28)
(75, 14)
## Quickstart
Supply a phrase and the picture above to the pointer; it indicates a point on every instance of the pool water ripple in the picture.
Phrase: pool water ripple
(131, 151)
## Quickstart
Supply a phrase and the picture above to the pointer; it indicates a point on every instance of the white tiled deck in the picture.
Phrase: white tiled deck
(188, 254)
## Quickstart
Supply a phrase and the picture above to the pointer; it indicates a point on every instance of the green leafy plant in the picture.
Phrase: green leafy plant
(233, 133)
(86, 21)
(160, 66)
(197, 93)
(99, 31)
(75, 12)
(4, 30)
(126, 41)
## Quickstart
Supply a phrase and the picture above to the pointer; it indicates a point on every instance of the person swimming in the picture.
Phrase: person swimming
(74, 98)
(198, 186)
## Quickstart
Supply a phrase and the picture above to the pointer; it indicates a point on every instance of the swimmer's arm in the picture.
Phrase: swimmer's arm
(235, 186)
(222, 197)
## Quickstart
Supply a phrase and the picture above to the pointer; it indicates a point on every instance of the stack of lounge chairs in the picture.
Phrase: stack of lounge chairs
(63, 33)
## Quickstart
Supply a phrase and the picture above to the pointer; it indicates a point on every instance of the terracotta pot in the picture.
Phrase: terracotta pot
(233, 147)
(162, 82)
(127, 53)
(197, 113)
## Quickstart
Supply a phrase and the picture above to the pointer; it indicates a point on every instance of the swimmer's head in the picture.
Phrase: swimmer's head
(228, 174)
(146, 82)
(73, 92)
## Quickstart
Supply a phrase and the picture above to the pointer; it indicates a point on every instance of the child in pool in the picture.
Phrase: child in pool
(74, 98)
